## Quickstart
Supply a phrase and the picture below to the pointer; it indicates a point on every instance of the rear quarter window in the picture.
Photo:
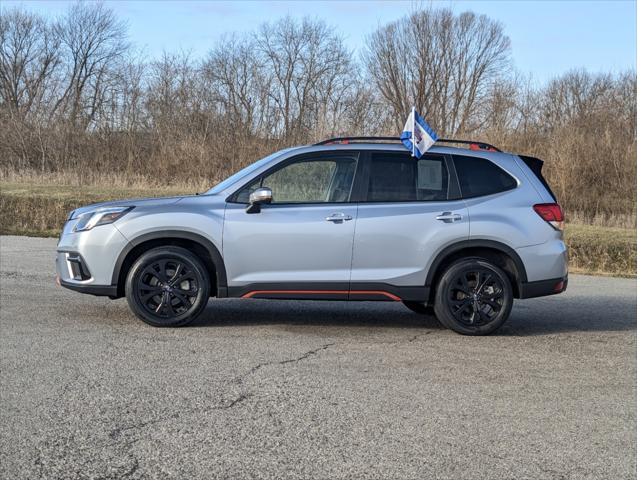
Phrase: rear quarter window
(479, 177)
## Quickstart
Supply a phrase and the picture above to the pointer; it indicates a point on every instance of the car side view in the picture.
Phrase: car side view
(460, 233)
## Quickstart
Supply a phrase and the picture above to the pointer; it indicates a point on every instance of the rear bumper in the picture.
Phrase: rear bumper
(543, 288)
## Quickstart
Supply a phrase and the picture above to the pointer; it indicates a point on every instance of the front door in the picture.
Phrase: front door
(302, 241)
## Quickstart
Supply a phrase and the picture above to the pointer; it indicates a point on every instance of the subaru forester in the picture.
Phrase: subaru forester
(459, 233)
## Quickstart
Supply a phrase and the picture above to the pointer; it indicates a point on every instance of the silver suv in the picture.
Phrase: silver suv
(460, 233)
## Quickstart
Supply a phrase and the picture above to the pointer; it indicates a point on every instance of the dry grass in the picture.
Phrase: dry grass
(623, 220)
(101, 183)
(40, 209)
(602, 250)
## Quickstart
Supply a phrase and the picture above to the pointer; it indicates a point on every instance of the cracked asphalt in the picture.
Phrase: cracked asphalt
(267, 389)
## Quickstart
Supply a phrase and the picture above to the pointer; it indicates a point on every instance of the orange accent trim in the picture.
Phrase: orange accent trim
(376, 292)
(325, 292)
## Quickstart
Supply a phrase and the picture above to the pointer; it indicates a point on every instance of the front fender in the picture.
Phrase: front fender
(195, 221)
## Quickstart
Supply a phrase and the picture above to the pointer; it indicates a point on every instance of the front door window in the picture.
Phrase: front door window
(310, 180)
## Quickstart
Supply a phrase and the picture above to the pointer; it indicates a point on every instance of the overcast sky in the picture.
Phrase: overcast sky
(547, 38)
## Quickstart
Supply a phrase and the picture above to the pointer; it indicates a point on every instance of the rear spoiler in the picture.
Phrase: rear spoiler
(535, 164)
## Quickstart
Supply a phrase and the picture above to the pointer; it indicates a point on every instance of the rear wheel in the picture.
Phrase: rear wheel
(167, 287)
(419, 307)
(473, 297)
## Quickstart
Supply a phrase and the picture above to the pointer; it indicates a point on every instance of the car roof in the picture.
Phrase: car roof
(395, 147)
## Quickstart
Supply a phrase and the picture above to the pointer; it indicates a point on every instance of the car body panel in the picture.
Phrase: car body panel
(545, 261)
(201, 215)
(99, 248)
(138, 202)
(414, 233)
(288, 243)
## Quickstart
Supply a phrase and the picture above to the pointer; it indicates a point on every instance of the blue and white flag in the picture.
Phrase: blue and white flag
(417, 135)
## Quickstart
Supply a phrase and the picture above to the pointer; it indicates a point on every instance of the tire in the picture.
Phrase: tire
(473, 297)
(420, 308)
(179, 280)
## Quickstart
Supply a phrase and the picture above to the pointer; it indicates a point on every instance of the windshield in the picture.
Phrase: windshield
(220, 187)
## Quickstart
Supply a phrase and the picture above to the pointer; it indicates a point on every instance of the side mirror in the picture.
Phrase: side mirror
(258, 198)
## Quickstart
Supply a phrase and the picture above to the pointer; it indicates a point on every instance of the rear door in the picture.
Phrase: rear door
(411, 211)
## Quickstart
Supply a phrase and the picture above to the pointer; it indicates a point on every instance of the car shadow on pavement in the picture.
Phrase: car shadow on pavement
(542, 316)
(242, 312)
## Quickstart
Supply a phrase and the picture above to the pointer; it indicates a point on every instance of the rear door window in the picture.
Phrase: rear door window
(478, 177)
(398, 177)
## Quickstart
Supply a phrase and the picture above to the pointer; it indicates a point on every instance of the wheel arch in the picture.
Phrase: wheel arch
(198, 244)
(502, 255)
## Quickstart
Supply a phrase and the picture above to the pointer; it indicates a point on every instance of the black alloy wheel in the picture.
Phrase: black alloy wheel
(167, 287)
(473, 297)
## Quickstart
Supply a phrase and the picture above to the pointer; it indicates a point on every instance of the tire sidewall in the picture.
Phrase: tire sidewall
(441, 307)
(175, 253)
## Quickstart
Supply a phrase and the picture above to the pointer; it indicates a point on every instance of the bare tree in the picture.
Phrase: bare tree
(236, 84)
(442, 63)
(305, 63)
(29, 55)
(93, 39)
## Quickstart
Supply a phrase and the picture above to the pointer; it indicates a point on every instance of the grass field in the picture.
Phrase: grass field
(35, 209)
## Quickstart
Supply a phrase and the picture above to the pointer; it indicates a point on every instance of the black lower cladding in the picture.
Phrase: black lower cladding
(543, 288)
(97, 290)
(329, 291)
(417, 294)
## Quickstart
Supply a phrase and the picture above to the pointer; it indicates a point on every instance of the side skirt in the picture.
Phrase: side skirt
(361, 291)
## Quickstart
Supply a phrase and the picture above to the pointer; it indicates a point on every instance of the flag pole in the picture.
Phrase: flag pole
(413, 131)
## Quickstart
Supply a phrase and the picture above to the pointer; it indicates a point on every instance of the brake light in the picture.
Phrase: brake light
(551, 213)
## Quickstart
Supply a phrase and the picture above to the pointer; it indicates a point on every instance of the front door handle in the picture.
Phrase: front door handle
(338, 218)
(449, 217)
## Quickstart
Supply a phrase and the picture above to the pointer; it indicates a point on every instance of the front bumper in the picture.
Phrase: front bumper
(85, 260)
(97, 290)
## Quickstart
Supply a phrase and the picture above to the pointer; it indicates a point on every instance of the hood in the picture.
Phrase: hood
(133, 202)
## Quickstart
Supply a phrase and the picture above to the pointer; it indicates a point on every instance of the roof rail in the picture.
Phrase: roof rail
(473, 145)
(346, 140)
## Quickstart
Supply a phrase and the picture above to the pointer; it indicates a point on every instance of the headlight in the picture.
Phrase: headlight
(99, 216)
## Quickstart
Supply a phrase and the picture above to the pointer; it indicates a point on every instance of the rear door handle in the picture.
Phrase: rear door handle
(338, 218)
(449, 217)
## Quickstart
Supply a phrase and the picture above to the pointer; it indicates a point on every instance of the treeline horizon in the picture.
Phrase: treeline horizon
(78, 101)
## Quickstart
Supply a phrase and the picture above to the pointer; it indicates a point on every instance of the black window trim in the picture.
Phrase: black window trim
(453, 190)
(513, 177)
(303, 157)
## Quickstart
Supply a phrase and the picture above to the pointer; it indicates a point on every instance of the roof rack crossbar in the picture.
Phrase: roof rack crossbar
(480, 145)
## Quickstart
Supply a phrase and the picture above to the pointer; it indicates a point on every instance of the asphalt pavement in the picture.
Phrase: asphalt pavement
(317, 390)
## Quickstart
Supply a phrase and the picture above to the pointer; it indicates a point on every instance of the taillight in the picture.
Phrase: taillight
(551, 213)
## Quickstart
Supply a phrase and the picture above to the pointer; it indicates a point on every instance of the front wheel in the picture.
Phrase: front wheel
(473, 297)
(167, 287)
